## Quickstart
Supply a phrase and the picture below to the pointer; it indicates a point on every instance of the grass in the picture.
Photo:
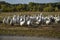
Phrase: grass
(46, 31)
(6, 14)
(27, 13)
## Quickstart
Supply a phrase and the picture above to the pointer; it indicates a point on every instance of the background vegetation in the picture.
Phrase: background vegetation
(31, 6)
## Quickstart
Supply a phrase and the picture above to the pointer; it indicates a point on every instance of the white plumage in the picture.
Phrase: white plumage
(29, 20)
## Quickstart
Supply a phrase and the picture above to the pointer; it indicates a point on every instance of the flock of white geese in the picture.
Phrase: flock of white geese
(31, 20)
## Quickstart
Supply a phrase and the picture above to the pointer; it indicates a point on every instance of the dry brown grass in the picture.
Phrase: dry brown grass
(47, 31)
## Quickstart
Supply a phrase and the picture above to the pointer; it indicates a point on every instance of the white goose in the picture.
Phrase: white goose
(18, 19)
(14, 19)
(28, 22)
(22, 21)
(11, 22)
(4, 20)
(39, 19)
(47, 20)
(8, 20)
(57, 19)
